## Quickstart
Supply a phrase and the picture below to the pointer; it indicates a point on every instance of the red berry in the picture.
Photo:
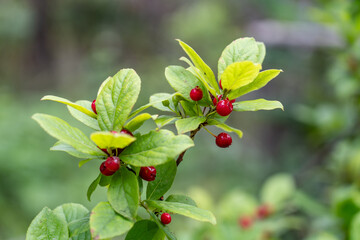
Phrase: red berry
(148, 173)
(220, 84)
(93, 106)
(112, 163)
(245, 222)
(104, 170)
(263, 211)
(165, 218)
(223, 140)
(215, 100)
(113, 132)
(126, 132)
(224, 107)
(196, 94)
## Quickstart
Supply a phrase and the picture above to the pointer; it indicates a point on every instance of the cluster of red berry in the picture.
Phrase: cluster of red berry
(262, 212)
(113, 162)
(223, 107)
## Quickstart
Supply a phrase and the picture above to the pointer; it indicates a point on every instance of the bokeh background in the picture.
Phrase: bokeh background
(67, 48)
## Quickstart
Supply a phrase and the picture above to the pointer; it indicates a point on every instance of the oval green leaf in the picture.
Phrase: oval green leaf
(106, 223)
(155, 148)
(116, 99)
(189, 124)
(183, 209)
(256, 105)
(145, 229)
(82, 117)
(123, 193)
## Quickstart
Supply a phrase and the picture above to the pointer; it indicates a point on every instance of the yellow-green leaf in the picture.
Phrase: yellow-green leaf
(111, 140)
(256, 105)
(239, 74)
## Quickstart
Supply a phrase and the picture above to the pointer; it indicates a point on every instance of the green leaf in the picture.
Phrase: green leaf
(181, 199)
(106, 223)
(260, 81)
(82, 117)
(155, 148)
(80, 228)
(165, 229)
(206, 71)
(47, 225)
(188, 124)
(105, 180)
(123, 193)
(69, 103)
(277, 189)
(256, 105)
(82, 162)
(355, 228)
(60, 146)
(242, 49)
(189, 108)
(183, 81)
(183, 209)
(157, 100)
(116, 100)
(165, 175)
(93, 186)
(162, 121)
(62, 131)
(225, 127)
(145, 229)
(239, 74)
(71, 213)
(111, 140)
(137, 121)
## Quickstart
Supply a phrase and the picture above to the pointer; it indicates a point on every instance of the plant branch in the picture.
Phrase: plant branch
(192, 136)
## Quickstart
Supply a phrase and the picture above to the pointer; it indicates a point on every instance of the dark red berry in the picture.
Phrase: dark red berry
(93, 106)
(161, 198)
(223, 140)
(232, 101)
(220, 84)
(112, 163)
(224, 107)
(215, 100)
(104, 170)
(263, 211)
(148, 173)
(245, 222)
(196, 94)
(165, 218)
(126, 132)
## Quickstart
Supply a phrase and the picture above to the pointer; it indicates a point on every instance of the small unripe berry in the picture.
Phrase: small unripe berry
(196, 94)
(126, 132)
(93, 106)
(223, 140)
(148, 173)
(245, 222)
(104, 170)
(165, 218)
(112, 163)
(263, 211)
(224, 107)
(216, 99)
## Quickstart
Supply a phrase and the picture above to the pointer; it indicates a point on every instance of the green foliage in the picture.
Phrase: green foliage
(123, 193)
(158, 148)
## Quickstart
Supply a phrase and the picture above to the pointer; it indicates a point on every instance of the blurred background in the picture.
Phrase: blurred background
(67, 48)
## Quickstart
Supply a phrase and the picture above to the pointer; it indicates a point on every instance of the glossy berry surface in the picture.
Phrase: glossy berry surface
(224, 107)
(93, 106)
(112, 163)
(148, 173)
(165, 218)
(126, 132)
(223, 140)
(196, 94)
(104, 170)
(263, 211)
(245, 222)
